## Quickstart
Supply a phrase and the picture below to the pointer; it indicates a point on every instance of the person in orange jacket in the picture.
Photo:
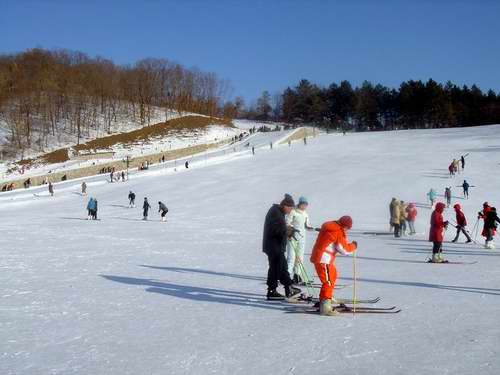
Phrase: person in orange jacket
(332, 233)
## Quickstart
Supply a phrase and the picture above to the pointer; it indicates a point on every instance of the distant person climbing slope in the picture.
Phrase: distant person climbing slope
(145, 209)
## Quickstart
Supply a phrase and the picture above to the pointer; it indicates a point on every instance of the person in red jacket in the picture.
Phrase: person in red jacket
(482, 215)
(411, 212)
(436, 235)
(461, 224)
(332, 239)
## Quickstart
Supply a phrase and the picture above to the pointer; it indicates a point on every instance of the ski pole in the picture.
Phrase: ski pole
(354, 283)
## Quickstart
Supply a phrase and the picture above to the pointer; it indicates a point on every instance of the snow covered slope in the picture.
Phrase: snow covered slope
(123, 296)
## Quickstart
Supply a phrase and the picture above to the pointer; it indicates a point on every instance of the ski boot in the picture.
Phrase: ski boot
(273, 295)
(441, 258)
(325, 308)
(291, 291)
(435, 258)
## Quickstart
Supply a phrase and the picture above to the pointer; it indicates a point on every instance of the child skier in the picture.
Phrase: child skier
(461, 224)
(438, 225)
(131, 199)
(490, 224)
(411, 215)
(299, 220)
(162, 209)
(432, 196)
(332, 233)
(145, 209)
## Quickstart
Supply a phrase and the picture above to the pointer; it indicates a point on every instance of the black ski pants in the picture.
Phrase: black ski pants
(437, 247)
(278, 271)
(461, 229)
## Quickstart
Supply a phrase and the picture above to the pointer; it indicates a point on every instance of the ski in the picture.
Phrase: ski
(339, 286)
(450, 262)
(346, 301)
(342, 309)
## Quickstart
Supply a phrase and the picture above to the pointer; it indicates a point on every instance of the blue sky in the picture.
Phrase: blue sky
(272, 44)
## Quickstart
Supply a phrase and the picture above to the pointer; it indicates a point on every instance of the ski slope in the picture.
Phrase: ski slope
(124, 296)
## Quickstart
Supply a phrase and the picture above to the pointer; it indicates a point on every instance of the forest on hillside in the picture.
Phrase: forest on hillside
(46, 92)
(415, 104)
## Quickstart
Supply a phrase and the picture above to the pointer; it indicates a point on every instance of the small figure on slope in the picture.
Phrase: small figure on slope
(465, 186)
(162, 210)
(274, 246)
(490, 225)
(84, 188)
(51, 189)
(447, 195)
(299, 220)
(411, 216)
(402, 218)
(436, 235)
(332, 239)
(145, 209)
(461, 224)
(432, 196)
(131, 199)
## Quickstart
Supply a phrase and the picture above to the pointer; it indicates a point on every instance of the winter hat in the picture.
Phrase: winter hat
(303, 200)
(485, 204)
(346, 222)
(288, 201)
(457, 207)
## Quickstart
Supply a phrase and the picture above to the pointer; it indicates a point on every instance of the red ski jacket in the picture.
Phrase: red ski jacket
(437, 224)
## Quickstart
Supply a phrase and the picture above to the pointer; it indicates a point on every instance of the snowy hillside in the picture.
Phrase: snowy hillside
(125, 296)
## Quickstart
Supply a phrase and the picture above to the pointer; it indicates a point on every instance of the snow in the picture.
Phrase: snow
(124, 296)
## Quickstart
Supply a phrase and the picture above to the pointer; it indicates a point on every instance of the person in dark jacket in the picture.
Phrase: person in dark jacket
(145, 209)
(461, 224)
(490, 226)
(162, 209)
(131, 199)
(465, 186)
(436, 236)
(274, 242)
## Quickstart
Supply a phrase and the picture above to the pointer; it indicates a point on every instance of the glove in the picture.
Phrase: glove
(446, 224)
(317, 229)
(355, 243)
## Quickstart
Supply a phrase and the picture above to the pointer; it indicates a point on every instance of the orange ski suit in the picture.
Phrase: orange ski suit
(323, 256)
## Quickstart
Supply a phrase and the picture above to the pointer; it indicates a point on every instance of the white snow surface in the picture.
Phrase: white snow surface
(124, 296)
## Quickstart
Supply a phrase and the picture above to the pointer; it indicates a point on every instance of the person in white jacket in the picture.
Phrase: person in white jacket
(298, 219)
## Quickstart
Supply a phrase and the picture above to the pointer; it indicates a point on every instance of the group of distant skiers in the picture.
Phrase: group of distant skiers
(455, 165)
(162, 209)
(402, 214)
(284, 241)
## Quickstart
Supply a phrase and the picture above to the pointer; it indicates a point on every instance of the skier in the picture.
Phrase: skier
(402, 218)
(332, 233)
(411, 215)
(123, 176)
(447, 195)
(111, 179)
(482, 215)
(432, 196)
(145, 209)
(51, 189)
(451, 169)
(465, 186)
(490, 225)
(186, 164)
(436, 233)
(455, 166)
(84, 188)
(299, 220)
(92, 209)
(253, 150)
(391, 205)
(274, 246)
(461, 224)
(131, 199)
(462, 159)
(162, 209)
(396, 217)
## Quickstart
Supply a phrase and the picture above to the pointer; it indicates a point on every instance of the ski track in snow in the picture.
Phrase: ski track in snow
(124, 296)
